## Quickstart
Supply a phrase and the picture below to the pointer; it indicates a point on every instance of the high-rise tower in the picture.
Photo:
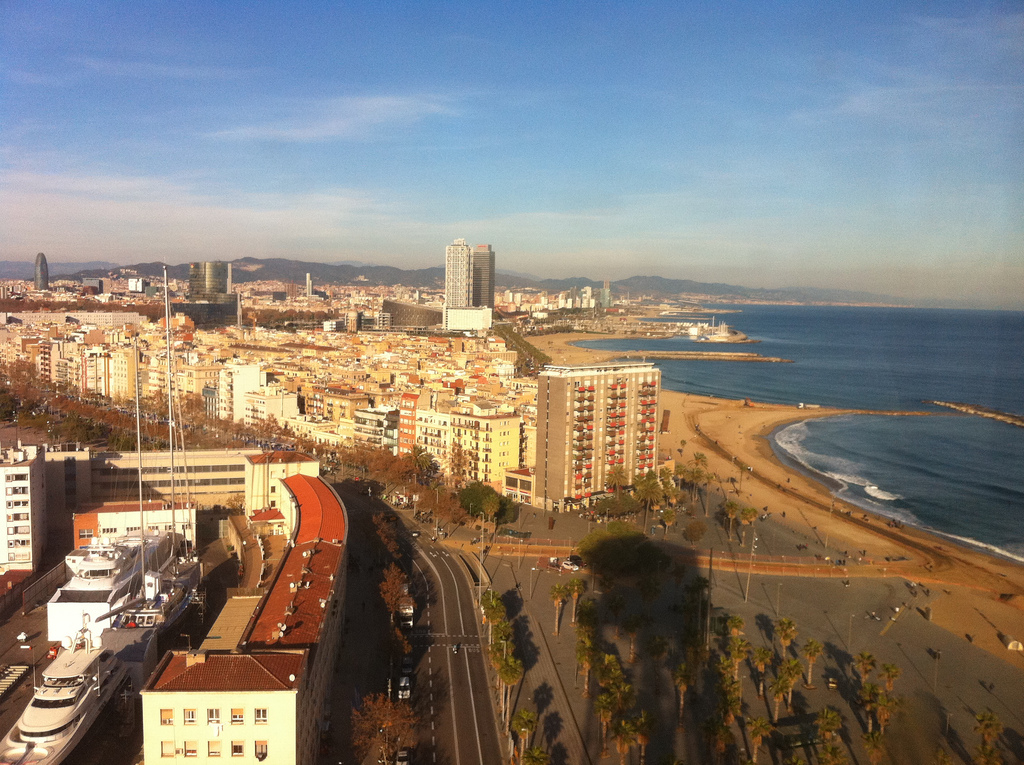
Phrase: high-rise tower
(457, 281)
(592, 421)
(483, 276)
(42, 278)
(209, 282)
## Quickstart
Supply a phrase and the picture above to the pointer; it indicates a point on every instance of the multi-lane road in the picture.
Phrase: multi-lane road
(450, 689)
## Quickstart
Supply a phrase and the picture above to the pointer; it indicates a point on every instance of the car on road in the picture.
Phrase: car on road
(568, 565)
(404, 687)
(404, 757)
(831, 683)
(415, 533)
(407, 665)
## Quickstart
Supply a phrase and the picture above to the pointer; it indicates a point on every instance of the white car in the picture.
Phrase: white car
(404, 687)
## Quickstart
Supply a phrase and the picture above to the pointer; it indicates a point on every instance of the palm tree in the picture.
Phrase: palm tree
(786, 630)
(885, 705)
(719, 736)
(873, 746)
(536, 756)
(576, 587)
(624, 735)
(869, 699)
(585, 658)
(763, 656)
(811, 651)
(643, 726)
(988, 726)
(656, 648)
(988, 755)
(889, 673)
(829, 721)
(791, 670)
(778, 688)
(731, 510)
(604, 708)
(682, 676)
(759, 729)
(623, 694)
(864, 663)
(632, 625)
(831, 754)
(738, 649)
(735, 624)
(509, 673)
(615, 602)
(648, 493)
(616, 478)
(747, 517)
(525, 723)
(559, 594)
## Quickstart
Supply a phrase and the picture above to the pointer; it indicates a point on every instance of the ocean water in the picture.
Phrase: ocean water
(962, 476)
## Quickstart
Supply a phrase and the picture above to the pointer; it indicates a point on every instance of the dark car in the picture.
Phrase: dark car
(407, 665)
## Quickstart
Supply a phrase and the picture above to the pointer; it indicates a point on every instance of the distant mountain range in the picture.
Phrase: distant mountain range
(352, 272)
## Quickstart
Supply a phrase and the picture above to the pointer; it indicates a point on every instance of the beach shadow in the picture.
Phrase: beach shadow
(559, 755)
(543, 695)
(527, 648)
(766, 626)
(1014, 742)
(553, 726)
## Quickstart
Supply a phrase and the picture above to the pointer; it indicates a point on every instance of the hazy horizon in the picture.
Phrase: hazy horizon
(874, 147)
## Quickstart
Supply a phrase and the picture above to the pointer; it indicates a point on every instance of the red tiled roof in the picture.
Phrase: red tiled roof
(229, 672)
(321, 515)
(279, 458)
(151, 505)
(313, 577)
(273, 514)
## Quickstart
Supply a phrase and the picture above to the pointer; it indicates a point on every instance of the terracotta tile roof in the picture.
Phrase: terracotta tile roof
(279, 458)
(306, 578)
(273, 514)
(321, 515)
(229, 672)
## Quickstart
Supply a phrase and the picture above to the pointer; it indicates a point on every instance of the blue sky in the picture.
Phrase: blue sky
(874, 146)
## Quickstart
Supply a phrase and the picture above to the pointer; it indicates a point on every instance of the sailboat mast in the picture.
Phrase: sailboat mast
(170, 395)
(138, 449)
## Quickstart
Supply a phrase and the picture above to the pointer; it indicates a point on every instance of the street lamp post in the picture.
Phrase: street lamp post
(531, 581)
(23, 638)
(849, 635)
(750, 568)
(828, 528)
(935, 680)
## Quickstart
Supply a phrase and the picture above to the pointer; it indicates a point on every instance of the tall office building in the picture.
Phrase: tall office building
(42, 277)
(590, 420)
(457, 283)
(309, 285)
(208, 281)
(482, 264)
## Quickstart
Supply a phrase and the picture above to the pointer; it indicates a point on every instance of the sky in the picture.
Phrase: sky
(871, 146)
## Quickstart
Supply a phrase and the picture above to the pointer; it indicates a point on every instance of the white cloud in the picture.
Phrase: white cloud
(343, 117)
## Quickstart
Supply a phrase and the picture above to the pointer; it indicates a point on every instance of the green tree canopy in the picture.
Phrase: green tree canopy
(618, 549)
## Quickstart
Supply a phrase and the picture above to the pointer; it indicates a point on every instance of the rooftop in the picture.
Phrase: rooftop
(227, 672)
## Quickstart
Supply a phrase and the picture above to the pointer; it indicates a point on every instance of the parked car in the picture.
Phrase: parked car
(568, 565)
(404, 757)
(407, 665)
(404, 687)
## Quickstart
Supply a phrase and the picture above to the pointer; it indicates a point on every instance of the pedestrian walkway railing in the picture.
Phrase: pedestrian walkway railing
(41, 589)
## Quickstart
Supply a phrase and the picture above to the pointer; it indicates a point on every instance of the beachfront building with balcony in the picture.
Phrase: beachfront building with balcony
(591, 421)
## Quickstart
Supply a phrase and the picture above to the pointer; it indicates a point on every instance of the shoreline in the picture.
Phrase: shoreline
(980, 587)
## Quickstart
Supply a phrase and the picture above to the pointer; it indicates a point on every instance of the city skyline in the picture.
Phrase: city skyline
(871, 147)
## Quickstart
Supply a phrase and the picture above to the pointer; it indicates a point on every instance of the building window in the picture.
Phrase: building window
(261, 716)
(213, 748)
(166, 748)
(261, 750)
(237, 748)
(191, 749)
(190, 717)
(237, 716)
(108, 531)
(85, 534)
(213, 716)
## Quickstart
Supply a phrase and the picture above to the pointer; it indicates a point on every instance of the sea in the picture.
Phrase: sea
(961, 476)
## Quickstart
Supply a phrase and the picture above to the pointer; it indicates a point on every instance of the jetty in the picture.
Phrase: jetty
(703, 356)
(982, 411)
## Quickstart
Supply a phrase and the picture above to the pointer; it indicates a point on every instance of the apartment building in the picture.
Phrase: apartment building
(262, 698)
(270, 404)
(591, 420)
(22, 476)
(489, 439)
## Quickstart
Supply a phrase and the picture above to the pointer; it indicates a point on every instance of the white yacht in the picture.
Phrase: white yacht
(75, 688)
(104, 575)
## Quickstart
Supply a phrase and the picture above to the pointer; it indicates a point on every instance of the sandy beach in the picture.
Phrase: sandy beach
(983, 596)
